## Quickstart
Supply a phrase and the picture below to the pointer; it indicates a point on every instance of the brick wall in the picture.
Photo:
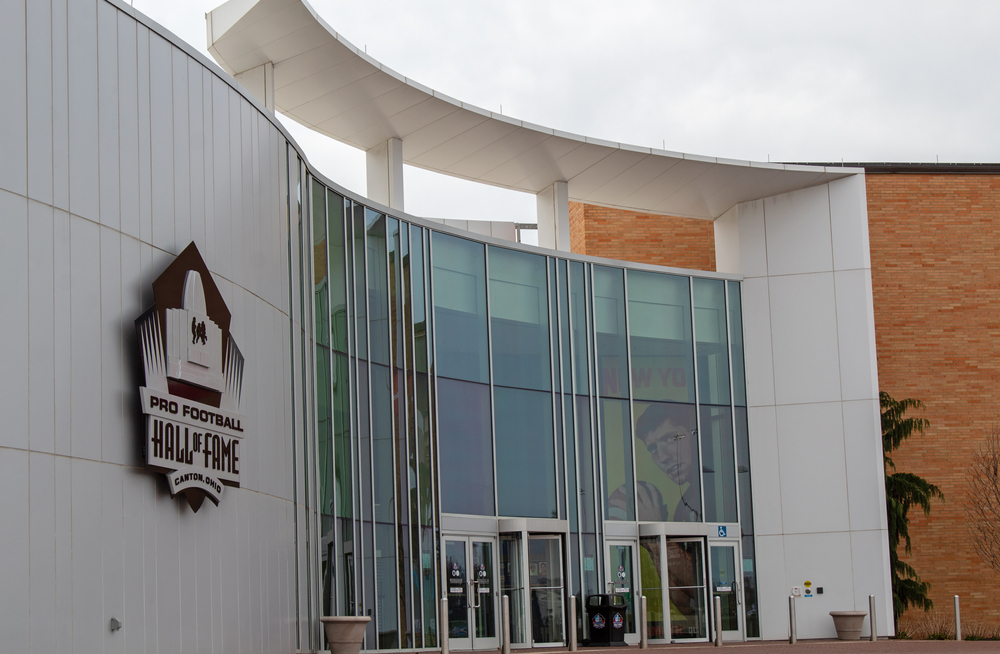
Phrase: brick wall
(935, 252)
(630, 236)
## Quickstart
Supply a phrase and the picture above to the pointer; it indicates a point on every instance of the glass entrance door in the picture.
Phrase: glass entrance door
(620, 578)
(688, 618)
(469, 579)
(545, 583)
(726, 585)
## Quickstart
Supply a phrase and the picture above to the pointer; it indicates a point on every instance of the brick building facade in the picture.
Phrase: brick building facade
(934, 232)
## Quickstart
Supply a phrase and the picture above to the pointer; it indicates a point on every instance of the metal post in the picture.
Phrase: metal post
(643, 626)
(505, 624)
(572, 623)
(871, 619)
(443, 626)
(792, 636)
(718, 621)
(958, 621)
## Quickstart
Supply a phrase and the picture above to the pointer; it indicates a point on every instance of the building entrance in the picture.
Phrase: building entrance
(726, 586)
(469, 569)
(620, 576)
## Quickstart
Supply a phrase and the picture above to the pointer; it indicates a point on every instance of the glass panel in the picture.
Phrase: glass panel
(724, 578)
(750, 589)
(483, 603)
(736, 344)
(428, 557)
(545, 581)
(360, 288)
(652, 586)
(419, 293)
(526, 473)
(378, 292)
(717, 464)
(385, 598)
(666, 462)
(458, 607)
(585, 445)
(660, 330)
(466, 450)
(424, 464)
(578, 306)
(511, 583)
(590, 563)
(620, 563)
(338, 294)
(609, 318)
(710, 334)
(572, 491)
(616, 437)
(519, 318)
(460, 308)
(686, 588)
(385, 507)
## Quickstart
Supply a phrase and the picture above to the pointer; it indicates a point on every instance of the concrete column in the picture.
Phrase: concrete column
(260, 82)
(385, 173)
(553, 217)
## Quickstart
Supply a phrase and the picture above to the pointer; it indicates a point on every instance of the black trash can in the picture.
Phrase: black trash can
(606, 617)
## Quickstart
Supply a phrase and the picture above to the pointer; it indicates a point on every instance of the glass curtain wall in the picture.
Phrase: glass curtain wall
(459, 377)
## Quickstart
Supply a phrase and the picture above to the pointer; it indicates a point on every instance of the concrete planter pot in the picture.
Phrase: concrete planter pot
(848, 624)
(345, 633)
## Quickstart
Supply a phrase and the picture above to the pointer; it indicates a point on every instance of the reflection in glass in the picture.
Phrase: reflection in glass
(609, 319)
(481, 590)
(430, 564)
(616, 437)
(686, 590)
(724, 579)
(385, 598)
(385, 508)
(585, 446)
(466, 449)
(460, 308)
(338, 296)
(750, 589)
(378, 291)
(660, 329)
(456, 571)
(666, 462)
(710, 334)
(746, 523)
(652, 586)
(526, 473)
(578, 312)
(545, 582)
(717, 464)
(419, 309)
(512, 583)
(736, 344)
(519, 319)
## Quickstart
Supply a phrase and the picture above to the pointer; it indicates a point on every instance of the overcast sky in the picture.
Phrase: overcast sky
(780, 81)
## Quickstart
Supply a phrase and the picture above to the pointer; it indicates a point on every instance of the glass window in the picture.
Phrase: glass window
(578, 311)
(736, 344)
(338, 292)
(666, 462)
(385, 508)
(378, 291)
(743, 471)
(419, 311)
(717, 464)
(512, 583)
(609, 318)
(385, 599)
(526, 473)
(564, 327)
(466, 450)
(519, 318)
(652, 585)
(616, 436)
(459, 280)
(710, 335)
(360, 285)
(587, 507)
(660, 328)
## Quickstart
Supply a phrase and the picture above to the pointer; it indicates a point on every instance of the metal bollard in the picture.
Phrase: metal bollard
(958, 621)
(718, 621)
(871, 619)
(443, 626)
(643, 628)
(572, 623)
(505, 624)
(792, 636)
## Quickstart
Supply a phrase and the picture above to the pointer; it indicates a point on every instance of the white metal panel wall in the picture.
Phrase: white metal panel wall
(812, 388)
(119, 149)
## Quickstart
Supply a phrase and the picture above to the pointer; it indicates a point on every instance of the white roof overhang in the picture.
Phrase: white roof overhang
(325, 83)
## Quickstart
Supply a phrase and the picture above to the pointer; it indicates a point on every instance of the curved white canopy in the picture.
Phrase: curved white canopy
(328, 85)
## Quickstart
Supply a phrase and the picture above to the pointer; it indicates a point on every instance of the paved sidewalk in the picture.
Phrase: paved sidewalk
(825, 646)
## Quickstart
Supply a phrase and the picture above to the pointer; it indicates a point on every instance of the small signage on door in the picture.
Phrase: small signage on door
(456, 590)
(722, 532)
(723, 589)
(484, 591)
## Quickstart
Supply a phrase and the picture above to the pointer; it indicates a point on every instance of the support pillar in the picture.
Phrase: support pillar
(553, 217)
(385, 173)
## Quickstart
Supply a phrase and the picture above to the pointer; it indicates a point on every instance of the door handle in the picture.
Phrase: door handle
(739, 596)
(474, 594)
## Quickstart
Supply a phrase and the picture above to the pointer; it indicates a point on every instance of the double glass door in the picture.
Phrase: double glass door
(620, 576)
(673, 580)
(726, 586)
(469, 569)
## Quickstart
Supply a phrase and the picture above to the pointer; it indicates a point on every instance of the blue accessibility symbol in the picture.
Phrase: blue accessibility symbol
(722, 532)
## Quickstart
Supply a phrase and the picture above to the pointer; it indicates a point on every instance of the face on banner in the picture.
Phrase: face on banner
(667, 471)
